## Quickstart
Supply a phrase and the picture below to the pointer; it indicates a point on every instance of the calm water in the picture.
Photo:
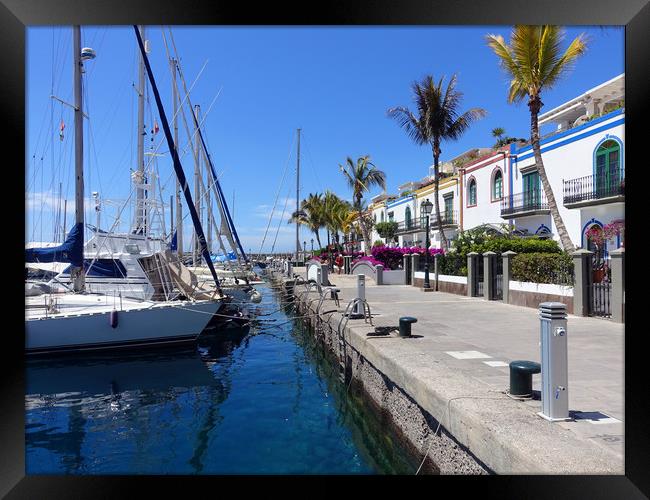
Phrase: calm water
(262, 401)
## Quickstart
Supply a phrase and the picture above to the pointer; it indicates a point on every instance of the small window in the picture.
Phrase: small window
(471, 192)
(497, 186)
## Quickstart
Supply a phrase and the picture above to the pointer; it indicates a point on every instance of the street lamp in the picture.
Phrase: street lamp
(304, 250)
(426, 207)
(312, 246)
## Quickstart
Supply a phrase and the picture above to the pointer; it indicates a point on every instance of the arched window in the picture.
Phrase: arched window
(471, 192)
(407, 217)
(608, 168)
(497, 185)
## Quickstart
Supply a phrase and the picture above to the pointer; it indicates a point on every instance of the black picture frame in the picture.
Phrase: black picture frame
(16, 15)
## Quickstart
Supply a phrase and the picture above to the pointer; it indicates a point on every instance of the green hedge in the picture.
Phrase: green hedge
(452, 264)
(519, 245)
(556, 268)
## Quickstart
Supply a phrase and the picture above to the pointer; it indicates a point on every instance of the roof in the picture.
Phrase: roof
(611, 90)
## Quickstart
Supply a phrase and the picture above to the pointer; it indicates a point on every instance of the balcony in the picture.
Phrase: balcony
(410, 226)
(524, 204)
(449, 219)
(595, 190)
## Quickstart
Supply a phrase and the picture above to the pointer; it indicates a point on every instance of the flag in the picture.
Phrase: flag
(61, 127)
(155, 127)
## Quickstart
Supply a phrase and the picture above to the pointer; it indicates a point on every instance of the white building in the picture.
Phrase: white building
(584, 162)
(449, 200)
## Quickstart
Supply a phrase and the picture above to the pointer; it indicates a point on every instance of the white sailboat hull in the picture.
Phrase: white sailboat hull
(136, 326)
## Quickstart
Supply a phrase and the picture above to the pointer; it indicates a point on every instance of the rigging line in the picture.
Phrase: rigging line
(186, 97)
(177, 164)
(281, 219)
(189, 145)
(313, 167)
(221, 200)
(277, 194)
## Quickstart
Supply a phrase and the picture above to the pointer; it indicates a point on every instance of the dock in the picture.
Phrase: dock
(444, 389)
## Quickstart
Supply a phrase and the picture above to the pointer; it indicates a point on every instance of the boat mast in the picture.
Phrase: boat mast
(179, 206)
(298, 199)
(208, 202)
(77, 273)
(197, 185)
(139, 200)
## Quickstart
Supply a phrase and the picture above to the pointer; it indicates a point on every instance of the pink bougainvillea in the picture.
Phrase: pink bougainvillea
(599, 236)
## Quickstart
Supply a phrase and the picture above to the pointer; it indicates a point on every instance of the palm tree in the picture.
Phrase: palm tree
(311, 214)
(498, 134)
(437, 120)
(534, 61)
(335, 212)
(361, 176)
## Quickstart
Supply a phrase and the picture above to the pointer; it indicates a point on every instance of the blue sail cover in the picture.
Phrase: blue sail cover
(173, 246)
(223, 258)
(72, 250)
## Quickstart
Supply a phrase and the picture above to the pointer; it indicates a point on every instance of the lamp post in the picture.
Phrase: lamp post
(312, 246)
(304, 250)
(426, 207)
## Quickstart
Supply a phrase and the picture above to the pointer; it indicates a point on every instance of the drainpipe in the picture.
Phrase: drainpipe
(460, 198)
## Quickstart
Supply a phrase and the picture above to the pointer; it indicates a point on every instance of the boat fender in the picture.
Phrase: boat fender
(256, 297)
(112, 319)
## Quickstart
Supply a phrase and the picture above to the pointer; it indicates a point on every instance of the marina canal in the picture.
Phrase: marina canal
(262, 399)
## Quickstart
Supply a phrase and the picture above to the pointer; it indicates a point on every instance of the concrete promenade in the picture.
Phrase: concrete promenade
(456, 368)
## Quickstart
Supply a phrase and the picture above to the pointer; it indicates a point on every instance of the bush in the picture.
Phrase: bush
(393, 257)
(478, 240)
(386, 229)
(452, 264)
(556, 268)
(378, 243)
(519, 245)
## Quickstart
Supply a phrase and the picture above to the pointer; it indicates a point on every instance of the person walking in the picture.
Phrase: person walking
(339, 262)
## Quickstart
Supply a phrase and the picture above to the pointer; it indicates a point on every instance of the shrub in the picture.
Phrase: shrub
(452, 264)
(370, 260)
(519, 245)
(393, 257)
(478, 240)
(378, 243)
(386, 229)
(556, 268)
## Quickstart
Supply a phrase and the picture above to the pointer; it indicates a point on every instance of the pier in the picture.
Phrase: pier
(444, 389)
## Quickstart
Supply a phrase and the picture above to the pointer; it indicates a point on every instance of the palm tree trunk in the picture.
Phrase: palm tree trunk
(436, 184)
(535, 105)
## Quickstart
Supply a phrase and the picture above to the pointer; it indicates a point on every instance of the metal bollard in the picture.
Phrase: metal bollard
(555, 385)
(358, 311)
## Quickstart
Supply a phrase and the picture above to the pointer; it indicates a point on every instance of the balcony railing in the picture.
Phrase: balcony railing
(595, 187)
(526, 203)
(410, 226)
(449, 218)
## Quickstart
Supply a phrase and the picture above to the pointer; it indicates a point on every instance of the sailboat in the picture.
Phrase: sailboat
(233, 268)
(79, 320)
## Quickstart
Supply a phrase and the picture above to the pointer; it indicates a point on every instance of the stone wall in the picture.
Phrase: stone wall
(534, 299)
(416, 428)
(443, 286)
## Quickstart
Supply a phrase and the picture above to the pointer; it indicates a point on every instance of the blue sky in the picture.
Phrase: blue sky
(335, 83)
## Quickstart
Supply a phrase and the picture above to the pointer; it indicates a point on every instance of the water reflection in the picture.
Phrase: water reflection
(262, 399)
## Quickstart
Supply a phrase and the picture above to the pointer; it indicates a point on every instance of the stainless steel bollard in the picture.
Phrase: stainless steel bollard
(555, 384)
(358, 309)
